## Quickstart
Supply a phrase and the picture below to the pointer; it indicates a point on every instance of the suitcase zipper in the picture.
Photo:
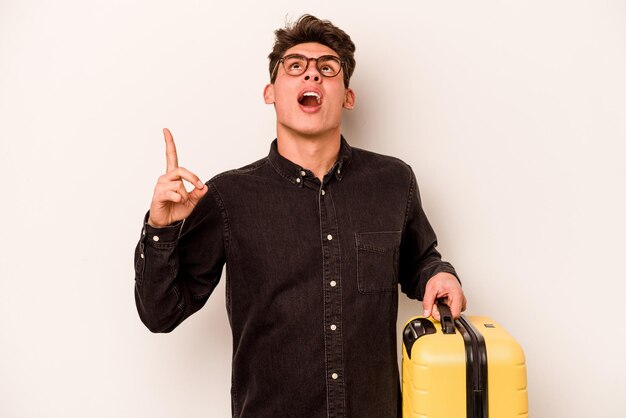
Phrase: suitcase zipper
(476, 369)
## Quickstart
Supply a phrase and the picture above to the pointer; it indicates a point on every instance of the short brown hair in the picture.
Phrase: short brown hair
(311, 29)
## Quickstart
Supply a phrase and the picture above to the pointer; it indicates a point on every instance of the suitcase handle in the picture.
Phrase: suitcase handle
(447, 322)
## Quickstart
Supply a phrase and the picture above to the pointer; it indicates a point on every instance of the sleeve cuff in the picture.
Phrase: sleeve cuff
(167, 234)
(441, 267)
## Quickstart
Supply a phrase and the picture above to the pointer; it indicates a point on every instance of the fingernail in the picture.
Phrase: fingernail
(426, 313)
(200, 184)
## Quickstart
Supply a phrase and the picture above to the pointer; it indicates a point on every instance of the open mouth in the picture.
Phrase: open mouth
(310, 99)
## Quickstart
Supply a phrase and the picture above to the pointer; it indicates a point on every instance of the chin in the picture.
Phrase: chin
(306, 129)
(314, 132)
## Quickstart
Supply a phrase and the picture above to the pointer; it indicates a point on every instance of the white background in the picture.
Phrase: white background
(512, 114)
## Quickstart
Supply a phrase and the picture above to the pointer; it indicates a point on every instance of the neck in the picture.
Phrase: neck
(316, 153)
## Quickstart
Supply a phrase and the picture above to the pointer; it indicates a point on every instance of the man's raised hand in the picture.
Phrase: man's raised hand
(171, 202)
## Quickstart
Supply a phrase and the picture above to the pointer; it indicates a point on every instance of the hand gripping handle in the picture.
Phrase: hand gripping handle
(447, 322)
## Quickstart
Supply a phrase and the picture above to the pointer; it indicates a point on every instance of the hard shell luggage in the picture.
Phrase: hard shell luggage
(468, 368)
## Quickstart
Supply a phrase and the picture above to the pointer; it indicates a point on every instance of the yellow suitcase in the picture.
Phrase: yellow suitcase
(468, 368)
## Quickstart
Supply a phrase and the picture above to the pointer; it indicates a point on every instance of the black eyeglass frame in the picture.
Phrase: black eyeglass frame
(308, 61)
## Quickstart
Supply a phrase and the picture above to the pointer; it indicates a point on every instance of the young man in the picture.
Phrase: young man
(315, 237)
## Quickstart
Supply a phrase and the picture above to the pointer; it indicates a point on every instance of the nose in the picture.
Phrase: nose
(312, 72)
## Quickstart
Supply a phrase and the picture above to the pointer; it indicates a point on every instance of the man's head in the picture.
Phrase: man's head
(309, 29)
(306, 88)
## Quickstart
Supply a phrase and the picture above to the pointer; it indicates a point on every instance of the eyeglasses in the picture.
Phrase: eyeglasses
(296, 64)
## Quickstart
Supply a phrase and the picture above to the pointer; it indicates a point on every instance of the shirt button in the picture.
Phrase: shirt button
(141, 255)
(329, 237)
(298, 180)
(143, 232)
(303, 173)
(333, 283)
(334, 376)
(155, 238)
(333, 327)
(323, 192)
(339, 171)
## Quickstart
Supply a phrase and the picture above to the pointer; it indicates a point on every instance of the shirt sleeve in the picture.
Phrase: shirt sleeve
(177, 267)
(419, 258)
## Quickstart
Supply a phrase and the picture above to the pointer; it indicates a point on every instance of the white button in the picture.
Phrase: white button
(323, 192)
(334, 376)
(333, 327)
(143, 232)
(339, 171)
(303, 173)
(330, 237)
(333, 283)
(298, 180)
(141, 255)
(155, 238)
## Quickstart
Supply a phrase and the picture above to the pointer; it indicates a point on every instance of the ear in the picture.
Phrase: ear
(348, 102)
(268, 94)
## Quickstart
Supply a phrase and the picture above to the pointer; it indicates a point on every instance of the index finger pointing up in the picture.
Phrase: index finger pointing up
(170, 151)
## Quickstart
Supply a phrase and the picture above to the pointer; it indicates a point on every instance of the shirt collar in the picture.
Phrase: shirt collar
(296, 174)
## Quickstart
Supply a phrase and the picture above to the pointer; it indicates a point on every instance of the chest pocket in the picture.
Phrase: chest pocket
(377, 256)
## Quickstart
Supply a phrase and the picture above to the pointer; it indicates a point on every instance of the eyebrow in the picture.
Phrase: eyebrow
(294, 56)
(325, 56)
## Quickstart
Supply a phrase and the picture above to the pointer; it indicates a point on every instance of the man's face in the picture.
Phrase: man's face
(308, 104)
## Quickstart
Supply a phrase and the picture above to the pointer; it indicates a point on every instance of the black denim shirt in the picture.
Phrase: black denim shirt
(312, 275)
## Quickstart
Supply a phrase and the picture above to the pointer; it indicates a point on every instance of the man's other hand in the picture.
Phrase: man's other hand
(447, 287)
(171, 202)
